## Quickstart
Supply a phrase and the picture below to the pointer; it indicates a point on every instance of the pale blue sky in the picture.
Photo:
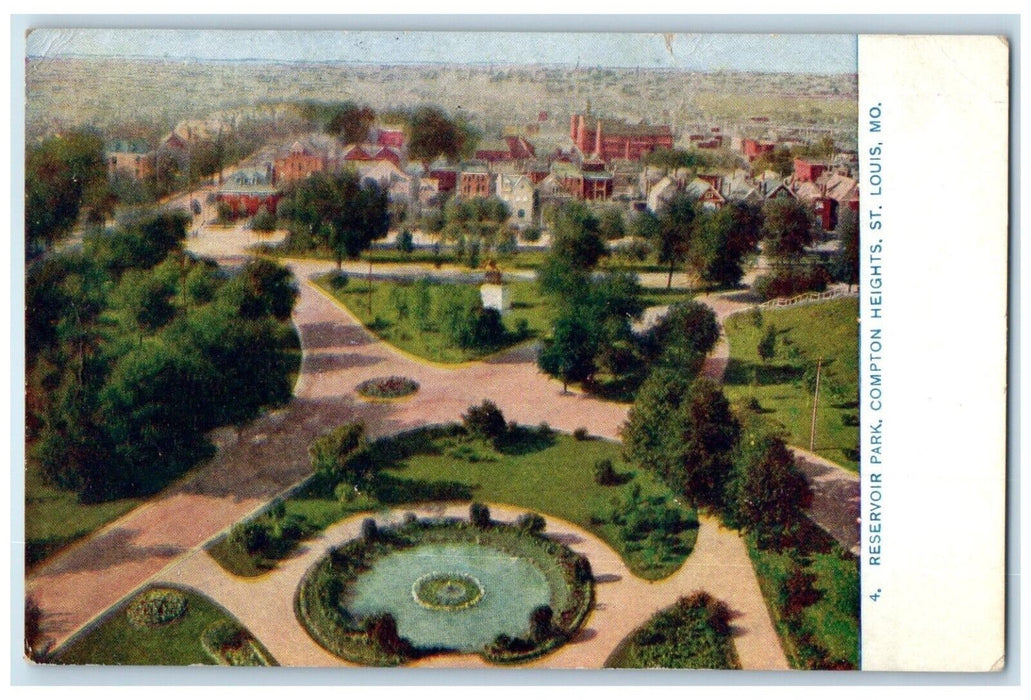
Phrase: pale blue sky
(794, 53)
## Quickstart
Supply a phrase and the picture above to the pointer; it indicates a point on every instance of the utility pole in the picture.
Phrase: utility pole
(816, 400)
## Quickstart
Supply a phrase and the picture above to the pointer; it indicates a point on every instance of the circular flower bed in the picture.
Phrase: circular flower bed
(447, 591)
(156, 607)
(387, 387)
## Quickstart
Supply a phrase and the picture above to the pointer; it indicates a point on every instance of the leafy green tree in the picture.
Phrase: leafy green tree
(405, 242)
(846, 262)
(787, 229)
(780, 161)
(145, 298)
(434, 134)
(674, 158)
(685, 432)
(351, 122)
(721, 241)
(612, 223)
(675, 232)
(332, 454)
(140, 242)
(570, 351)
(339, 212)
(684, 336)
(576, 237)
(64, 175)
(771, 493)
(485, 421)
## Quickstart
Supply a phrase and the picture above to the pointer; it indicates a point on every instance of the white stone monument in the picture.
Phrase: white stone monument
(494, 294)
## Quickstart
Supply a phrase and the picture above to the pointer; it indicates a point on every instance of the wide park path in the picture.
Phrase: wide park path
(269, 455)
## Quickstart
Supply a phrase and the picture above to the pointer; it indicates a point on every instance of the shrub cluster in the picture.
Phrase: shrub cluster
(388, 387)
(156, 607)
(229, 644)
(790, 282)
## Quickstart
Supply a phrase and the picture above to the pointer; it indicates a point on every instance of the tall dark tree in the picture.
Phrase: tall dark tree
(435, 134)
(675, 232)
(686, 433)
(787, 229)
(339, 211)
(64, 176)
(770, 493)
(576, 236)
(846, 262)
(570, 351)
(351, 122)
(684, 336)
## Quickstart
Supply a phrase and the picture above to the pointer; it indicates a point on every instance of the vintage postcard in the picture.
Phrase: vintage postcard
(515, 350)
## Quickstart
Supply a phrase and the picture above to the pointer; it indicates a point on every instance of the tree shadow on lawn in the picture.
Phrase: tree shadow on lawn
(521, 440)
(757, 374)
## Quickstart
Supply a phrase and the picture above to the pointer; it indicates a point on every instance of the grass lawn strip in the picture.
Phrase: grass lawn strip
(804, 333)
(826, 633)
(115, 640)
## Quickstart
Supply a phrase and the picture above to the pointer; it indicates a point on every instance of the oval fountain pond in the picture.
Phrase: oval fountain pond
(454, 596)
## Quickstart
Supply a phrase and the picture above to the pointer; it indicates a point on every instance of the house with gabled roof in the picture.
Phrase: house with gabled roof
(520, 195)
(131, 156)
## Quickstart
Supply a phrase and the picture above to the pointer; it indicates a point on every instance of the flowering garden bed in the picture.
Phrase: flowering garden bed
(387, 387)
(156, 607)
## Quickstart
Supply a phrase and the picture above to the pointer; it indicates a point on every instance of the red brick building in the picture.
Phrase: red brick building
(447, 179)
(806, 171)
(477, 181)
(298, 163)
(753, 149)
(614, 138)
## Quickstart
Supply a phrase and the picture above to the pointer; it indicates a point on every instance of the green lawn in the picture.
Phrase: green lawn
(54, 518)
(681, 636)
(553, 476)
(429, 341)
(782, 386)
(113, 640)
(827, 633)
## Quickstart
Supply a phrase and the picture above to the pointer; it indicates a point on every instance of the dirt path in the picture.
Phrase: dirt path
(719, 564)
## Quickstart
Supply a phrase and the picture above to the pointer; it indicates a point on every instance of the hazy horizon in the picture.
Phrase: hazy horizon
(775, 53)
